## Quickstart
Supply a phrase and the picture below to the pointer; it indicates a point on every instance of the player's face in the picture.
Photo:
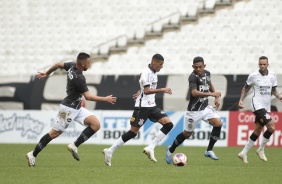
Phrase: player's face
(157, 65)
(86, 64)
(199, 68)
(263, 64)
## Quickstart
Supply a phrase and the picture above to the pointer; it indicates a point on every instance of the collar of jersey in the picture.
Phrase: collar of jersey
(151, 68)
(262, 73)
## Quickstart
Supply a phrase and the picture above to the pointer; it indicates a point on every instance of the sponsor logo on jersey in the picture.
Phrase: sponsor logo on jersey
(141, 122)
(132, 119)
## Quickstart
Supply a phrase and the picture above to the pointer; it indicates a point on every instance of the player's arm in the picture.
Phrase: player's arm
(148, 90)
(276, 93)
(244, 91)
(134, 96)
(216, 100)
(197, 93)
(53, 68)
(110, 98)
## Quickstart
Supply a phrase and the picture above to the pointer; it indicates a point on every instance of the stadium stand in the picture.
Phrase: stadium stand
(35, 34)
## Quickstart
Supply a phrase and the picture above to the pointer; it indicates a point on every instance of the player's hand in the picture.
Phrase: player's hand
(167, 90)
(280, 98)
(216, 103)
(111, 99)
(134, 96)
(41, 75)
(216, 94)
(240, 104)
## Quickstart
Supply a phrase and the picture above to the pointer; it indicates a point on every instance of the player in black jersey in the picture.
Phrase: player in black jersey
(70, 108)
(200, 88)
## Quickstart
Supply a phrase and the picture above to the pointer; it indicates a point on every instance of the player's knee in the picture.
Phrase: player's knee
(167, 127)
(95, 125)
(128, 135)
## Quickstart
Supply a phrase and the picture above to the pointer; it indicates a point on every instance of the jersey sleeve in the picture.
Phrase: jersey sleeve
(68, 65)
(144, 79)
(250, 80)
(192, 82)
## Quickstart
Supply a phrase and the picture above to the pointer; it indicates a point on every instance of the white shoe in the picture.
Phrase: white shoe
(30, 159)
(74, 151)
(108, 157)
(261, 155)
(150, 153)
(243, 157)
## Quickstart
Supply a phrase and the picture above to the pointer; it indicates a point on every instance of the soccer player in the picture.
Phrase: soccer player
(70, 108)
(200, 88)
(264, 83)
(145, 107)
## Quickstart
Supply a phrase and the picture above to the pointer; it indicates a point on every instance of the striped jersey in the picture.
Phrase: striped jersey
(262, 89)
(148, 77)
(201, 83)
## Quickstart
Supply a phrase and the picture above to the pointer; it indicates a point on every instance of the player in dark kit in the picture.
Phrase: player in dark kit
(70, 108)
(200, 88)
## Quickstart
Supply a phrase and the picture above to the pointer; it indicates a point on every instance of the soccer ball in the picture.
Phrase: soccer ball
(179, 159)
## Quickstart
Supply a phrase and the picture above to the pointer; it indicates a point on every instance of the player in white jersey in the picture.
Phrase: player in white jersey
(145, 107)
(264, 83)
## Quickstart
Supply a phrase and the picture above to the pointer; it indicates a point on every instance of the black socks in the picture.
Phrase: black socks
(42, 143)
(178, 140)
(214, 137)
(84, 136)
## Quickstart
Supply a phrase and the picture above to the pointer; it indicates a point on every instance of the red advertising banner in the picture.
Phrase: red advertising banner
(241, 126)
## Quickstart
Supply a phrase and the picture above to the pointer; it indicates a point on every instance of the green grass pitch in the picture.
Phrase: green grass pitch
(129, 165)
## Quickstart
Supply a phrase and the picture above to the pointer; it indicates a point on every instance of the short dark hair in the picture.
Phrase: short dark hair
(198, 59)
(157, 57)
(82, 56)
(263, 57)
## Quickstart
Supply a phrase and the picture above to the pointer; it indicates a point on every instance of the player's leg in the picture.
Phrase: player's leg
(210, 115)
(180, 138)
(62, 122)
(134, 129)
(41, 144)
(266, 135)
(215, 134)
(108, 152)
(157, 115)
(84, 117)
(252, 139)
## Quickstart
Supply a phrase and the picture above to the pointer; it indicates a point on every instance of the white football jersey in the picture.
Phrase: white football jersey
(148, 78)
(262, 87)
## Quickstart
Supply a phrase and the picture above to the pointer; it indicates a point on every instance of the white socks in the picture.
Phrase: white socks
(248, 146)
(263, 143)
(117, 144)
(156, 140)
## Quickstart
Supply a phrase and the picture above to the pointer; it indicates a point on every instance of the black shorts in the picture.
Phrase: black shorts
(262, 117)
(140, 115)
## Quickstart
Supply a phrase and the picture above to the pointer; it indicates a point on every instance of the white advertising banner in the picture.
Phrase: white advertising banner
(29, 126)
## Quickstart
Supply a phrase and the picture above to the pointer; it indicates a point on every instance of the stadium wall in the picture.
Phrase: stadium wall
(30, 93)
(28, 126)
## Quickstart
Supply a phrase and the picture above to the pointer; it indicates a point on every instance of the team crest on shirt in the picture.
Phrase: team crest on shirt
(190, 120)
(141, 122)
(267, 116)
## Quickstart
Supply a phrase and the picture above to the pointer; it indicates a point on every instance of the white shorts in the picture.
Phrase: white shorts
(192, 118)
(66, 115)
